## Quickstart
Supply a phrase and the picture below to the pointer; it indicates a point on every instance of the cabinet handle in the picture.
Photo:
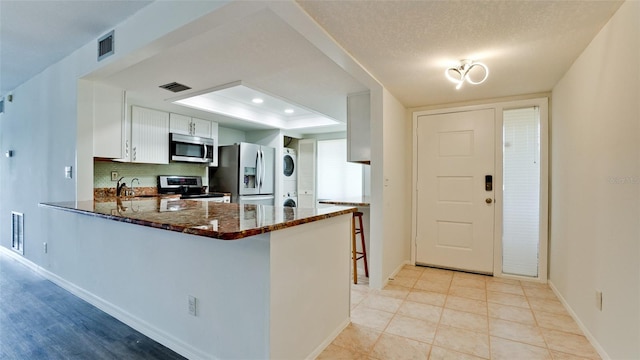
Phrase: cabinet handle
(126, 149)
(134, 153)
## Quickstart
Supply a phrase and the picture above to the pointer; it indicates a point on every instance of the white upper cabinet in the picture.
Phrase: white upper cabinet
(149, 136)
(214, 136)
(359, 128)
(201, 128)
(181, 124)
(110, 125)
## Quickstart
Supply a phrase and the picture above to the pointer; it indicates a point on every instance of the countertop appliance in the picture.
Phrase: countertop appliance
(189, 187)
(194, 149)
(247, 171)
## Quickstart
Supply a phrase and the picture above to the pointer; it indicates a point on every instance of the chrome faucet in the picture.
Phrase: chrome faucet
(119, 187)
(132, 191)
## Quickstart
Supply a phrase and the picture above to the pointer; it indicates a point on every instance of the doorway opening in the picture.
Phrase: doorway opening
(454, 185)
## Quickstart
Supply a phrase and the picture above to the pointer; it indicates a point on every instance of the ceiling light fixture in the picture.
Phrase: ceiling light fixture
(462, 72)
(257, 100)
(288, 111)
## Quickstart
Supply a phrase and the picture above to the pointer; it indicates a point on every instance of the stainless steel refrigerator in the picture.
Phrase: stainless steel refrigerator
(247, 171)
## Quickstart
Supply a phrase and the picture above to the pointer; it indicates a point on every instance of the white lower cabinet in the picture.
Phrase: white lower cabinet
(149, 136)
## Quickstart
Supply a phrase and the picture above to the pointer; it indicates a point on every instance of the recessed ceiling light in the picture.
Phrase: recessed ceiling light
(288, 111)
(257, 100)
(238, 100)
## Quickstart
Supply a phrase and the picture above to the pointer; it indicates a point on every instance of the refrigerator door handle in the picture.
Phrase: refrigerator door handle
(262, 168)
(258, 172)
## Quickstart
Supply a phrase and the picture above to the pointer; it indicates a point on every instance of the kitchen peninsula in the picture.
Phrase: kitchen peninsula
(267, 282)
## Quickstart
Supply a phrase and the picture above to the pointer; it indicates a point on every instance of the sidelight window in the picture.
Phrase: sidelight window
(521, 192)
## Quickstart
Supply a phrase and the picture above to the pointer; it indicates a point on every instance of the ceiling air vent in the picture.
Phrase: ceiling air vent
(105, 46)
(175, 87)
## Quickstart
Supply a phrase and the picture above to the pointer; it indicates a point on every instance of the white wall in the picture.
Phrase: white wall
(595, 187)
(390, 221)
(396, 185)
(143, 276)
(229, 136)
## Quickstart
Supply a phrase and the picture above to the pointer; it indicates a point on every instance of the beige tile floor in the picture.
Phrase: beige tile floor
(427, 313)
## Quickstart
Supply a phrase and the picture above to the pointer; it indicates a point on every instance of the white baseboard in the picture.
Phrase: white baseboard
(603, 354)
(329, 339)
(138, 324)
(395, 272)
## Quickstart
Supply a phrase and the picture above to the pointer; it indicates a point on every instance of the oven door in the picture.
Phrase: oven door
(194, 149)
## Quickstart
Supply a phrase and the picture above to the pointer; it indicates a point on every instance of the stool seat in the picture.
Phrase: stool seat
(357, 255)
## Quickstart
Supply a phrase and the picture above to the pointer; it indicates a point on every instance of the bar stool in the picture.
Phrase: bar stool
(357, 255)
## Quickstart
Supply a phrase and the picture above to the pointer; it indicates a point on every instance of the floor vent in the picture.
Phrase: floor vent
(17, 232)
(106, 45)
(175, 87)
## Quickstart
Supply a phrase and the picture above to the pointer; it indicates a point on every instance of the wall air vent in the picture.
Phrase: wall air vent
(17, 232)
(106, 46)
(175, 87)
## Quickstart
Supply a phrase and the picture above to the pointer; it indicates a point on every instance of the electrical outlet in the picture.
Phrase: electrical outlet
(114, 176)
(193, 305)
(44, 247)
(599, 300)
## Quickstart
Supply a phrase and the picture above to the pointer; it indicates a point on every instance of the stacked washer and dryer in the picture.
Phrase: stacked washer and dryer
(289, 169)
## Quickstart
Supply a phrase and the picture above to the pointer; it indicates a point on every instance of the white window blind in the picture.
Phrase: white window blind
(337, 178)
(521, 192)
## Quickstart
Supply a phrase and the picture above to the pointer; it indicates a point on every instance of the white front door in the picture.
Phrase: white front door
(455, 210)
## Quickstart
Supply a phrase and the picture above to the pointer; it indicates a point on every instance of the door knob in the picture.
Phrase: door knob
(488, 200)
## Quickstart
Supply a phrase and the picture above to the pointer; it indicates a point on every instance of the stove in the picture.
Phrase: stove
(189, 187)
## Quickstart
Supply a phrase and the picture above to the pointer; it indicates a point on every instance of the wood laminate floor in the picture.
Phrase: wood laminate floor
(40, 320)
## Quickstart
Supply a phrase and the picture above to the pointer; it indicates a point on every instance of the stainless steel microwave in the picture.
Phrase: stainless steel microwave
(193, 149)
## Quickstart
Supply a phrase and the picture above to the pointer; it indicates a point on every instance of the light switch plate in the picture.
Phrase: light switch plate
(193, 306)
(114, 176)
(68, 172)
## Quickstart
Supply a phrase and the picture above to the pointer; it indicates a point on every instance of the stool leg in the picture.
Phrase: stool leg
(353, 249)
(364, 248)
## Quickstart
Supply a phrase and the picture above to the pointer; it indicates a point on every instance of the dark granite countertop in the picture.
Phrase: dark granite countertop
(348, 201)
(205, 218)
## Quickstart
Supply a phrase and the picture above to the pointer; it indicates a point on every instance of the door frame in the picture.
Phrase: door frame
(498, 107)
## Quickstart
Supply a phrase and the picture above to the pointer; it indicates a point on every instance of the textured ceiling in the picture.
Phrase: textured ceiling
(406, 45)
